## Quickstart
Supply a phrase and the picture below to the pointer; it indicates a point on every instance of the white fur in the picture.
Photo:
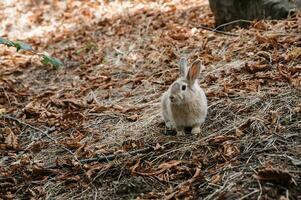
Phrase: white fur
(189, 107)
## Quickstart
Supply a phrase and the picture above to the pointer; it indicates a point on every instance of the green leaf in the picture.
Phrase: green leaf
(21, 45)
(18, 45)
(48, 60)
(6, 42)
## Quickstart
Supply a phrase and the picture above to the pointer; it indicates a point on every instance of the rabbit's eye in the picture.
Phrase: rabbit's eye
(183, 87)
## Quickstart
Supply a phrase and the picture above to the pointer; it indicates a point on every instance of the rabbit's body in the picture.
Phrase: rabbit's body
(184, 104)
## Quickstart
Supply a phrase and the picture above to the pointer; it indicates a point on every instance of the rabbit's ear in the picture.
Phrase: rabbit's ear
(194, 71)
(183, 66)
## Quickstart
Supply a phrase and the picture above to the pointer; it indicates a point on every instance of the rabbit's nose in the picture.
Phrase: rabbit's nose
(172, 98)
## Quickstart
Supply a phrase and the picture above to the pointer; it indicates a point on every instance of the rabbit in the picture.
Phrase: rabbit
(184, 104)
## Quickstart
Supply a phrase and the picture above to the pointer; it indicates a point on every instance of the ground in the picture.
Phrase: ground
(92, 129)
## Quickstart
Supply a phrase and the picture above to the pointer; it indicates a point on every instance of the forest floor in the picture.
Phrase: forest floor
(92, 129)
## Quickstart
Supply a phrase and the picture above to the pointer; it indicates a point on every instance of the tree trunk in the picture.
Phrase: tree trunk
(230, 10)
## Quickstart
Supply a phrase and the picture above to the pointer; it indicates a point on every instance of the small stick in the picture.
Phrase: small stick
(232, 22)
(259, 196)
(109, 157)
(248, 195)
(217, 31)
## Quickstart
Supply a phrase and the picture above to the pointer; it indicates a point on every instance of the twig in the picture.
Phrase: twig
(249, 194)
(232, 22)
(259, 196)
(7, 97)
(110, 157)
(39, 130)
(222, 188)
(217, 31)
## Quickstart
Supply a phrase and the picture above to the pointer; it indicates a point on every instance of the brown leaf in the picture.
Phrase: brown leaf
(73, 178)
(169, 164)
(95, 169)
(9, 196)
(159, 147)
(33, 109)
(101, 151)
(253, 85)
(38, 171)
(133, 117)
(239, 133)
(38, 146)
(260, 25)
(161, 168)
(11, 140)
(268, 39)
(295, 70)
(178, 36)
(296, 82)
(133, 168)
(279, 176)
(256, 67)
(215, 179)
(220, 138)
(184, 190)
(68, 177)
(230, 150)
(295, 53)
(83, 151)
(74, 103)
(274, 116)
(72, 144)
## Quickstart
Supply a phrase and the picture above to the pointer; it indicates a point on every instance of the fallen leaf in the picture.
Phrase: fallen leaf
(133, 117)
(256, 67)
(238, 133)
(220, 138)
(9, 196)
(169, 164)
(295, 53)
(95, 169)
(274, 116)
(296, 82)
(230, 150)
(11, 140)
(161, 168)
(158, 147)
(279, 176)
(215, 179)
(260, 25)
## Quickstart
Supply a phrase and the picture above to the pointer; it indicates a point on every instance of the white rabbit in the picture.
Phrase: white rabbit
(184, 104)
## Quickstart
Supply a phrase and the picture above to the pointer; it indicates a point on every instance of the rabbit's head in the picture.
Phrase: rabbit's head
(184, 88)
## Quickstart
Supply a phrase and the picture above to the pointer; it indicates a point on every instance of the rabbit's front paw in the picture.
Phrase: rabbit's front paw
(181, 132)
(196, 130)
(168, 125)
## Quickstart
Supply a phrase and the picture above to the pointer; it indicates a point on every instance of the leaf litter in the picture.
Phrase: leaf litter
(92, 129)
